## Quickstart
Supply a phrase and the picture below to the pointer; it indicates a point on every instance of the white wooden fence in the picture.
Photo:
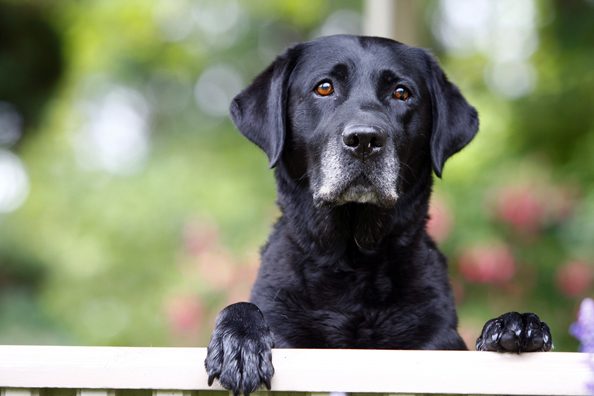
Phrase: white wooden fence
(109, 371)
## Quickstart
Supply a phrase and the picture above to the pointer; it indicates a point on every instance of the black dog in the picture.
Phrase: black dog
(354, 126)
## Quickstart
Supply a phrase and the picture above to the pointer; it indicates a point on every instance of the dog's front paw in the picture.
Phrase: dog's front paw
(514, 332)
(239, 353)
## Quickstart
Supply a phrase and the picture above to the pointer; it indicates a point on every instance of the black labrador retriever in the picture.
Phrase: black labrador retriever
(354, 126)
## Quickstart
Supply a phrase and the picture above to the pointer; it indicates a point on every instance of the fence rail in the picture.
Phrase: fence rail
(110, 371)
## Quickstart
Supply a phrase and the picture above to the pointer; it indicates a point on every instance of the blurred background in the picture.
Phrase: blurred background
(131, 211)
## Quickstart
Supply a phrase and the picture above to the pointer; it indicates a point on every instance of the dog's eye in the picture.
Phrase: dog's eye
(324, 89)
(400, 93)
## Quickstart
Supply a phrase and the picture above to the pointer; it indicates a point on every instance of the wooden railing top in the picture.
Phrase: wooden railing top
(302, 370)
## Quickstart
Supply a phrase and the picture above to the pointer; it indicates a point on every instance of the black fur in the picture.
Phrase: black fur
(349, 264)
(514, 332)
(240, 356)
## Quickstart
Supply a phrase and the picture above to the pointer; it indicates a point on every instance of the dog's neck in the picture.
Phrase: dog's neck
(363, 228)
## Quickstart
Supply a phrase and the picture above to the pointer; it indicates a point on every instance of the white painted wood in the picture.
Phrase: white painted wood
(299, 370)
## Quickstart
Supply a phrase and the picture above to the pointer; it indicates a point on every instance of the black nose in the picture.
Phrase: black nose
(364, 140)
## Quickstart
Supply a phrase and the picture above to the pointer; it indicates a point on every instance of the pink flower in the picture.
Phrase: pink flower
(185, 313)
(207, 258)
(217, 269)
(522, 208)
(493, 264)
(529, 208)
(574, 278)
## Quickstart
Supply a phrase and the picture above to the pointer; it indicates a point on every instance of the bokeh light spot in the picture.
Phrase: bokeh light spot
(215, 89)
(14, 182)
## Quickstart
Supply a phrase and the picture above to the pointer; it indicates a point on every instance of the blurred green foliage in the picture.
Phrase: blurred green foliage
(146, 208)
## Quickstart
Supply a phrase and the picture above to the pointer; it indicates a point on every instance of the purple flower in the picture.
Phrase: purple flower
(583, 330)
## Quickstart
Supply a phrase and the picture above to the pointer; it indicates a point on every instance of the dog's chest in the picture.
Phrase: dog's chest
(362, 314)
(367, 328)
(381, 304)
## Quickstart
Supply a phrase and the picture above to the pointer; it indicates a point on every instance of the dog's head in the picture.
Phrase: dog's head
(358, 117)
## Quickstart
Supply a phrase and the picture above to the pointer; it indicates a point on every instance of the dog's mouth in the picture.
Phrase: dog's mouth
(360, 189)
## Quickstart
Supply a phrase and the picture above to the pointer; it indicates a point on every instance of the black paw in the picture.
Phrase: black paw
(239, 352)
(514, 332)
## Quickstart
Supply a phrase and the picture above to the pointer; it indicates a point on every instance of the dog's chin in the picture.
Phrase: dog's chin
(359, 194)
(361, 190)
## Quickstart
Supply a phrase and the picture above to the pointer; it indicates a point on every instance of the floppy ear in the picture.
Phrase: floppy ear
(455, 122)
(259, 111)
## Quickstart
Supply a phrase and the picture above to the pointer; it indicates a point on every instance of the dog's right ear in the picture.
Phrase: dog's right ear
(259, 111)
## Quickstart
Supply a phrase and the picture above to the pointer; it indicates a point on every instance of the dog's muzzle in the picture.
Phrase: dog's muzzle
(359, 166)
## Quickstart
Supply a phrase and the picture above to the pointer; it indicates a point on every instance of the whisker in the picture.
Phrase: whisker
(403, 178)
(411, 169)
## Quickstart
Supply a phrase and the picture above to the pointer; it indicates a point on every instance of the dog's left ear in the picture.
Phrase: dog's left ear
(259, 111)
(455, 122)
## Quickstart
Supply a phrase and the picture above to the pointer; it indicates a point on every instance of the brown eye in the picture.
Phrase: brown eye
(400, 93)
(324, 89)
